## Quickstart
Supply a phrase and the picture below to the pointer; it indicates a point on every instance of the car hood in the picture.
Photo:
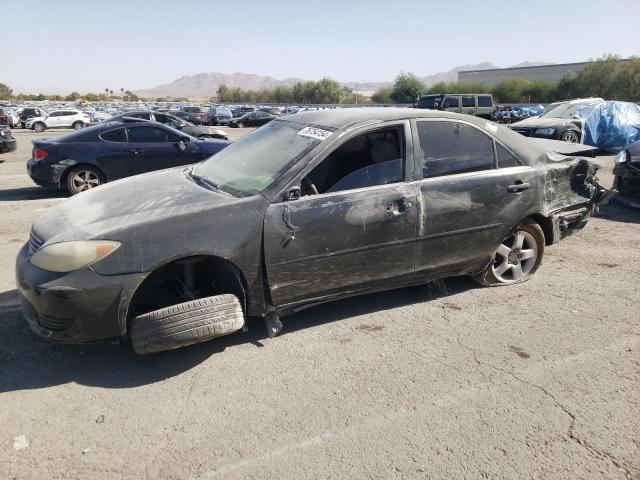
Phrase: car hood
(132, 202)
(33, 119)
(544, 122)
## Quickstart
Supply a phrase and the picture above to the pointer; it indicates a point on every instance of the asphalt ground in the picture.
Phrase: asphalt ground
(537, 380)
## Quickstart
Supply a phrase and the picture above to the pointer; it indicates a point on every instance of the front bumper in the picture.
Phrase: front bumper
(77, 307)
(8, 145)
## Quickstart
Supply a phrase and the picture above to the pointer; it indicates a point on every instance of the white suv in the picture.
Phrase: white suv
(60, 119)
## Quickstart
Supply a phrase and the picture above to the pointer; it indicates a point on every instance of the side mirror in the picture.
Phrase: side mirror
(292, 194)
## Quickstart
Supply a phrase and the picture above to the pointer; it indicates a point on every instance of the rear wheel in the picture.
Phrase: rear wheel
(240, 125)
(517, 257)
(83, 178)
(186, 323)
(77, 125)
(39, 127)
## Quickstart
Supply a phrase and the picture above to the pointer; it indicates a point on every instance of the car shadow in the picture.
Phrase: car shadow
(29, 362)
(617, 212)
(30, 193)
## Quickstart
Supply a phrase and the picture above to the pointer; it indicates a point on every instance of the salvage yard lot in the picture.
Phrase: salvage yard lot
(537, 380)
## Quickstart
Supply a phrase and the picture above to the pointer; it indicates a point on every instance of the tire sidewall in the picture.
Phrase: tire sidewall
(39, 127)
(69, 185)
(488, 278)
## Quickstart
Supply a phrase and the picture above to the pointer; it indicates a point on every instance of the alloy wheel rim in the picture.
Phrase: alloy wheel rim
(84, 180)
(570, 137)
(515, 257)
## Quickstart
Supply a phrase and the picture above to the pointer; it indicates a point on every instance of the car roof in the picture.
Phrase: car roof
(340, 118)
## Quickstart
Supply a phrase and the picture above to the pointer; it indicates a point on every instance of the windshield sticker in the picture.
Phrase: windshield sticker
(313, 132)
(492, 127)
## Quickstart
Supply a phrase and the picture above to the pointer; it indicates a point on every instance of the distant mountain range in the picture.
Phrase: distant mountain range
(204, 85)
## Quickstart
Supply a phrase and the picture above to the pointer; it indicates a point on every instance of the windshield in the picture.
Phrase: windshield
(254, 162)
(569, 110)
(223, 111)
(429, 101)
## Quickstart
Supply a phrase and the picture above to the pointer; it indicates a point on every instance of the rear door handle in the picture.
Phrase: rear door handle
(398, 208)
(137, 151)
(518, 187)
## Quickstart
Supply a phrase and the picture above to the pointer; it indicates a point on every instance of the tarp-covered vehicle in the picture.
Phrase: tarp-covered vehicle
(311, 207)
(608, 125)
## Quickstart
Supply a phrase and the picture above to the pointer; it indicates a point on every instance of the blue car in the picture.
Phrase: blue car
(109, 151)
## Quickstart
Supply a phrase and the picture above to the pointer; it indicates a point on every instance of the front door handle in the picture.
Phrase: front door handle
(518, 187)
(137, 151)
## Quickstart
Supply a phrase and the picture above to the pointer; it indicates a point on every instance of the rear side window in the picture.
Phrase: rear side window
(505, 158)
(450, 147)
(117, 135)
(468, 101)
(484, 101)
(150, 135)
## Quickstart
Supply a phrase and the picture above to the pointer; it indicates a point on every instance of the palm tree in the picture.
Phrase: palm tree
(106, 90)
(121, 91)
(110, 92)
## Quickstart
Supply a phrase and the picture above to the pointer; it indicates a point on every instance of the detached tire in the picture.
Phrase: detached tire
(186, 323)
(517, 257)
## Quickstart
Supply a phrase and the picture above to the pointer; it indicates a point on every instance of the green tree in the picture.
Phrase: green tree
(5, 92)
(406, 88)
(72, 97)
(382, 96)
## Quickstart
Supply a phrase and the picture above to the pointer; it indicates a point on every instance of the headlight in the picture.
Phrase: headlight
(68, 256)
(621, 157)
(545, 131)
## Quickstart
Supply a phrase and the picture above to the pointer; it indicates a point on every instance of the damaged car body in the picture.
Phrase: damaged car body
(312, 207)
(626, 171)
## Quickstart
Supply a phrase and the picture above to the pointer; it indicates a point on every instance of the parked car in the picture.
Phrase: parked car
(111, 150)
(559, 121)
(198, 131)
(480, 105)
(218, 116)
(7, 141)
(252, 119)
(195, 115)
(9, 117)
(97, 117)
(67, 118)
(26, 113)
(277, 111)
(312, 207)
(4, 117)
(626, 171)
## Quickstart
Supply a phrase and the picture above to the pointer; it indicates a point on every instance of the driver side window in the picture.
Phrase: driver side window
(366, 160)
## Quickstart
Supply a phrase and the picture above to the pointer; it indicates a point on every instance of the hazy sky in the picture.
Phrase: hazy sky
(89, 45)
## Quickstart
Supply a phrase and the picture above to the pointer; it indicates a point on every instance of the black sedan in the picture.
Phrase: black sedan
(626, 171)
(251, 119)
(7, 141)
(111, 150)
(311, 207)
(198, 131)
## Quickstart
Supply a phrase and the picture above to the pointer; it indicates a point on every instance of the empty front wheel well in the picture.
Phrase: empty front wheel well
(187, 279)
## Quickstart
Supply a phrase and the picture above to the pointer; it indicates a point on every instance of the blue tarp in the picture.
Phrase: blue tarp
(612, 125)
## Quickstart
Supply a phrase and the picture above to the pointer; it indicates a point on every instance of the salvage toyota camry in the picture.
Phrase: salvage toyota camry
(311, 207)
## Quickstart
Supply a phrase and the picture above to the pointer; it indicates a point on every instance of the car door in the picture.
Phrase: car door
(54, 119)
(468, 104)
(152, 148)
(356, 232)
(467, 203)
(112, 155)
